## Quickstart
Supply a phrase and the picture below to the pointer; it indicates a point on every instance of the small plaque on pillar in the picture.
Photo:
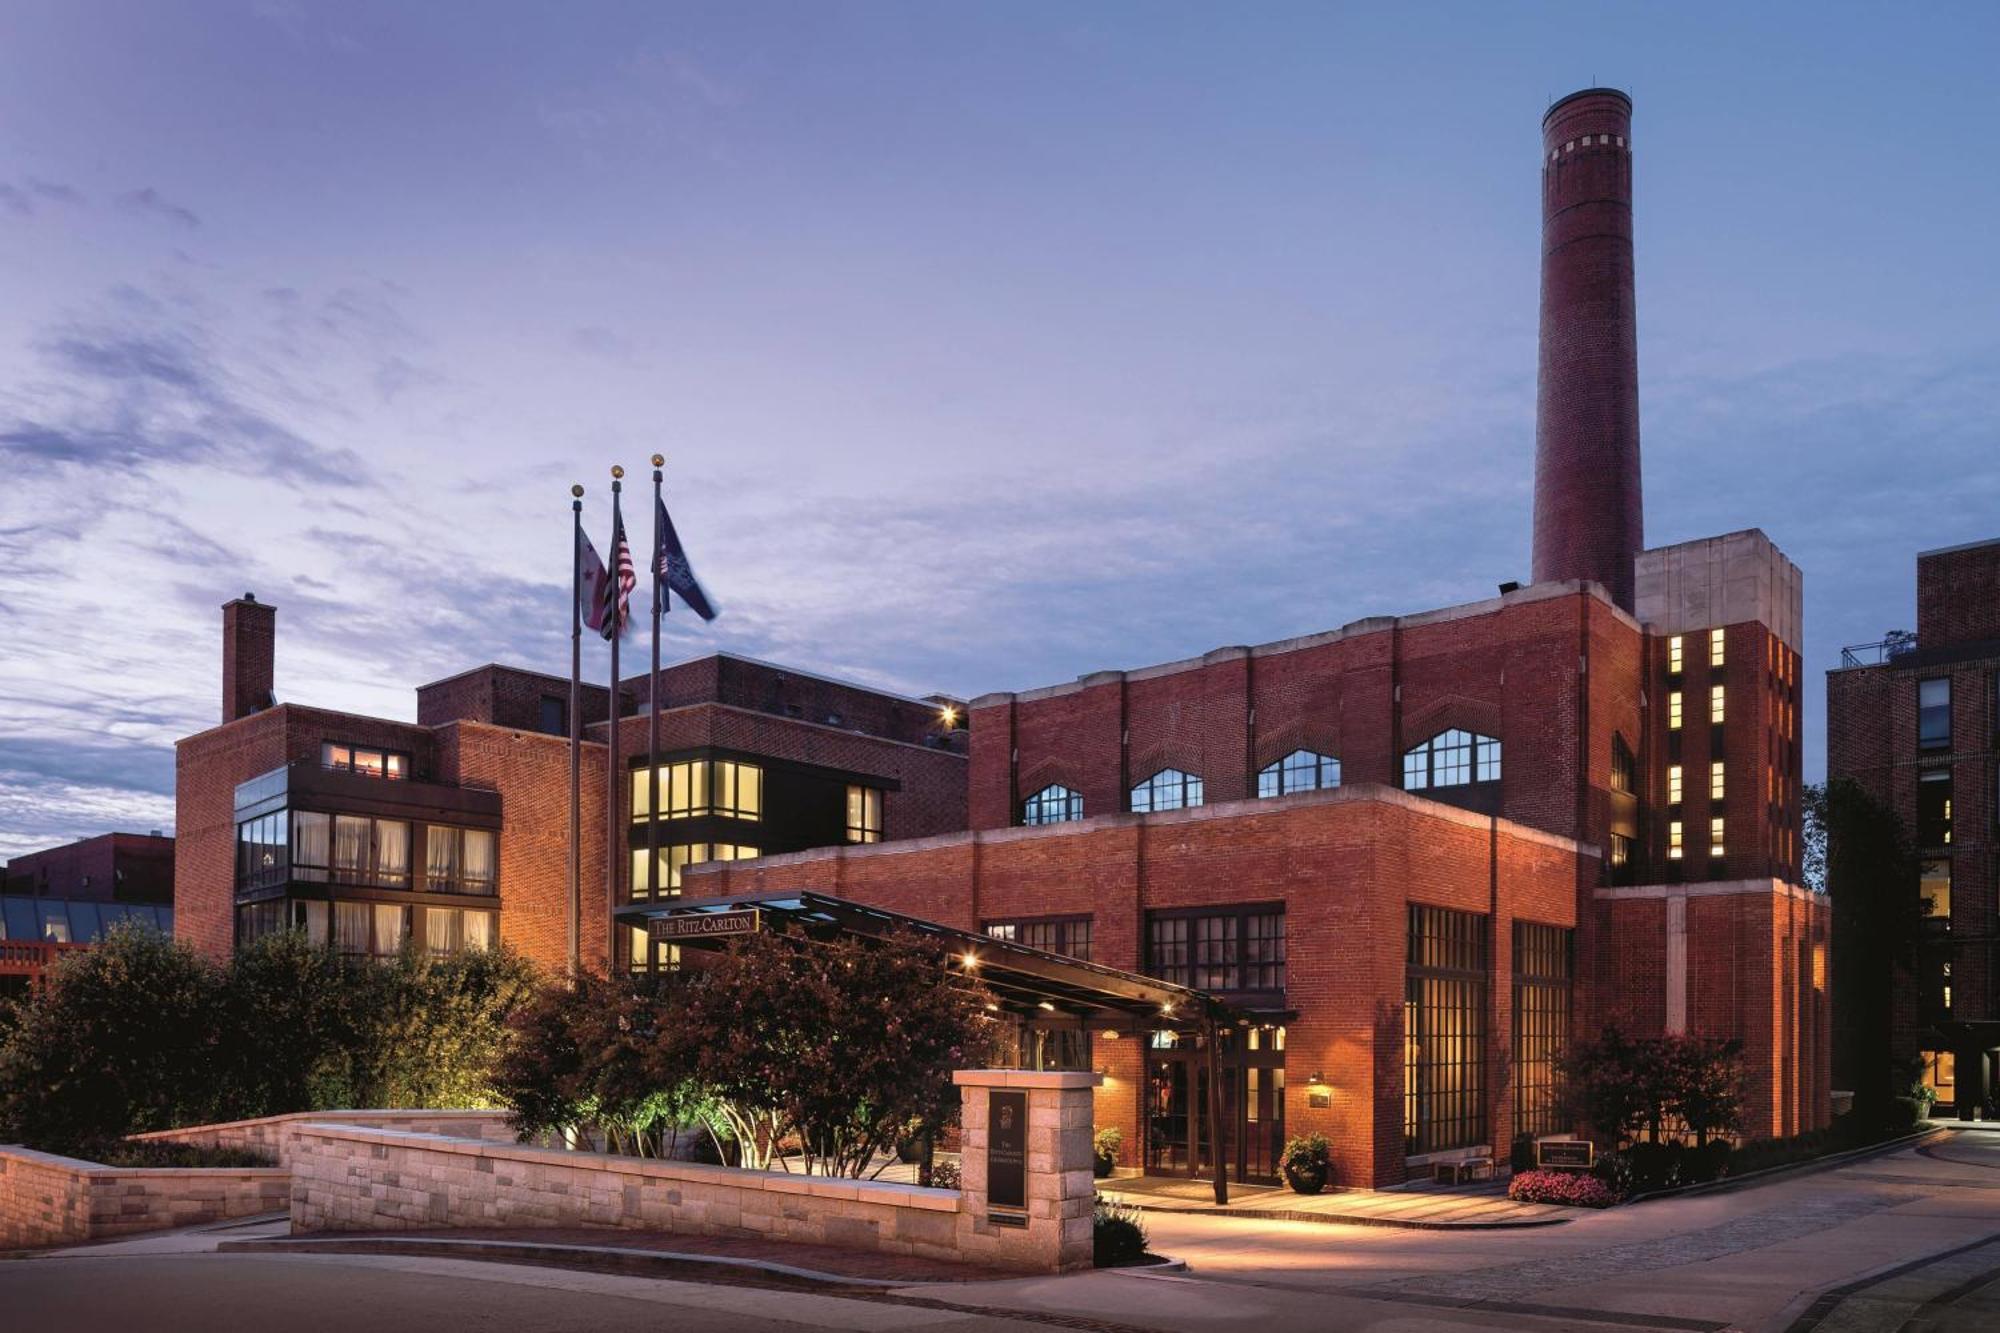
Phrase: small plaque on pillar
(1007, 1158)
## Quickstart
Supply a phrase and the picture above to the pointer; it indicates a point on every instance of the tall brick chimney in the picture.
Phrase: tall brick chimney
(249, 649)
(1589, 520)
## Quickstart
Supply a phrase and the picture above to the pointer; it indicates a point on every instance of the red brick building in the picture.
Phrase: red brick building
(1426, 850)
(1916, 721)
(453, 831)
(67, 897)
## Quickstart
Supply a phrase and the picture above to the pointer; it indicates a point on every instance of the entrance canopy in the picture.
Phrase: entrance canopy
(1031, 983)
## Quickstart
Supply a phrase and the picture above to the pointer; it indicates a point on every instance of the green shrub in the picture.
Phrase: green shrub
(1902, 1115)
(1307, 1163)
(945, 1174)
(1104, 1147)
(154, 1154)
(1117, 1234)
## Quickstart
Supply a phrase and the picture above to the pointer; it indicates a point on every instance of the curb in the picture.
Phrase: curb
(1768, 1174)
(1351, 1219)
(597, 1258)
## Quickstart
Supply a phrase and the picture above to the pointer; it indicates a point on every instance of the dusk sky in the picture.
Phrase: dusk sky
(988, 345)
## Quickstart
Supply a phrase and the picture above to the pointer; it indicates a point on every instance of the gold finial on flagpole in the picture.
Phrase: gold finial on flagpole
(659, 460)
(577, 490)
(617, 470)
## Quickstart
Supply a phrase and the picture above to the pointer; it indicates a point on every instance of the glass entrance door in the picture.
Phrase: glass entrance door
(1169, 1114)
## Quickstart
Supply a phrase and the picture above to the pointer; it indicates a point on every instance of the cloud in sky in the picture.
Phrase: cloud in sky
(982, 356)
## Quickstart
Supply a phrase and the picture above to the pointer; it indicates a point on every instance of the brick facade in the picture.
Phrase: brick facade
(112, 867)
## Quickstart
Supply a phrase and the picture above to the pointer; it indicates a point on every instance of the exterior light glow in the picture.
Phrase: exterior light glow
(970, 961)
(948, 715)
(1109, 1035)
(1316, 1078)
(1046, 1005)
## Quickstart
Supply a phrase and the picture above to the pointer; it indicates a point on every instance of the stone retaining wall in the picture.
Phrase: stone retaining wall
(51, 1200)
(268, 1134)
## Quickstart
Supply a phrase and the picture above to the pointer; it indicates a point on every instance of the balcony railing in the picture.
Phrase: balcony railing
(1892, 646)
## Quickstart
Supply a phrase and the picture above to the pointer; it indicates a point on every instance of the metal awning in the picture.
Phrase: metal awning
(1031, 983)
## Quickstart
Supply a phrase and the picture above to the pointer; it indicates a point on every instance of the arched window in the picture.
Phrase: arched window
(1053, 804)
(1301, 770)
(1168, 789)
(1451, 759)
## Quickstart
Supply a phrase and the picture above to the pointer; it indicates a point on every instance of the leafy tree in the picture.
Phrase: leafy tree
(1603, 1087)
(435, 1027)
(295, 1015)
(1703, 1083)
(122, 1039)
(1622, 1086)
(1871, 868)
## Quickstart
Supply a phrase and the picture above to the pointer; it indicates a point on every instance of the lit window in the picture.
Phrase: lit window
(1451, 759)
(1301, 770)
(1053, 804)
(1941, 1074)
(369, 763)
(864, 814)
(1934, 713)
(1621, 764)
(1674, 840)
(1674, 710)
(1934, 883)
(458, 860)
(1715, 845)
(1715, 781)
(1621, 851)
(677, 858)
(1168, 789)
(449, 930)
(1715, 703)
(1673, 784)
(1675, 659)
(695, 787)
(1715, 638)
(1069, 936)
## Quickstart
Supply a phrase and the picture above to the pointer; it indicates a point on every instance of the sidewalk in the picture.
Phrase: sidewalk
(1424, 1207)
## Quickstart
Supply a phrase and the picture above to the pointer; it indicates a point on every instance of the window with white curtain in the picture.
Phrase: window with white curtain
(392, 923)
(351, 839)
(312, 845)
(392, 853)
(350, 928)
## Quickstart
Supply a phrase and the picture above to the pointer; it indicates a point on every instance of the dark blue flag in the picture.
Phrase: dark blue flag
(672, 562)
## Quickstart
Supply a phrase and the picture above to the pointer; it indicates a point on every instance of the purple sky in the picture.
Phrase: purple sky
(988, 345)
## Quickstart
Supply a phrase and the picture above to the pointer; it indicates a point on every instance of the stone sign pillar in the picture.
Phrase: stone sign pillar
(1024, 1170)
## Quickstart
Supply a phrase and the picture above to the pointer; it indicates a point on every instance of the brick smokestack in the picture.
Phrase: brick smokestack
(1589, 520)
(249, 651)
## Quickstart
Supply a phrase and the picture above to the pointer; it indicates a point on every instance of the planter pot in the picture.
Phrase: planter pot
(1306, 1179)
(1102, 1167)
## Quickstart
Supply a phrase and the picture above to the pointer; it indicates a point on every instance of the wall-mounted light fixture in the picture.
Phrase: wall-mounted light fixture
(1109, 1035)
(1316, 1079)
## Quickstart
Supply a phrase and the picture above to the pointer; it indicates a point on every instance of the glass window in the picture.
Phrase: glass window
(1715, 780)
(864, 814)
(1444, 1031)
(1069, 936)
(312, 845)
(1674, 710)
(1451, 759)
(392, 853)
(1715, 839)
(1301, 770)
(553, 715)
(1934, 713)
(695, 787)
(1168, 789)
(1054, 804)
(1676, 659)
(459, 860)
(1673, 784)
(351, 927)
(677, 857)
(1934, 883)
(392, 925)
(1621, 764)
(1620, 851)
(1934, 808)
(1542, 974)
(1715, 711)
(1715, 647)
(1675, 845)
(367, 761)
(353, 842)
(19, 916)
(1941, 1075)
(1242, 950)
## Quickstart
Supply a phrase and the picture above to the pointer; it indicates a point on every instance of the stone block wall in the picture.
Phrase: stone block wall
(51, 1200)
(1060, 1187)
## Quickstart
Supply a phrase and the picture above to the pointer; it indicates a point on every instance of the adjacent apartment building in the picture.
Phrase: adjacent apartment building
(67, 897)
(1916, 720)
(452, 831)
(1425, 851)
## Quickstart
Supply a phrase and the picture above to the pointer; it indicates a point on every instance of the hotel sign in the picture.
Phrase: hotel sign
(1007, 1157)
(705, 925)
(1565, 1154)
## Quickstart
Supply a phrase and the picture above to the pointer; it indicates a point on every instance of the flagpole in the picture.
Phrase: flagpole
(611, 790)
(575, 721)
(660, 608)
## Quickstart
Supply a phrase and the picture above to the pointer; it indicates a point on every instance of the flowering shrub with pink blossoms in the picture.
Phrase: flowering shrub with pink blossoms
(1573, 1188)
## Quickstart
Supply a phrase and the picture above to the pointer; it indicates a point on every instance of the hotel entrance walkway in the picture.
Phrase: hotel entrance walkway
(1423, 1206)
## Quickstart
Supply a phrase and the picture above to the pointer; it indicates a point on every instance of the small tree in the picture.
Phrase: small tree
(436, 1027)
(122, 1039)
(1603, 1087)
(1704, 1078)
(293, 1014)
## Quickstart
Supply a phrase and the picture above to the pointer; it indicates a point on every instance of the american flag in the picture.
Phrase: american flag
(614, 593)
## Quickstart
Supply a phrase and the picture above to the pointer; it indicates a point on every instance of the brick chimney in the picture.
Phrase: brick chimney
(249, 647)
(1589, 522)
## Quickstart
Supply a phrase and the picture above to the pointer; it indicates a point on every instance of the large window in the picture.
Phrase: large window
(1242, 950)
(1067, 935)
(1934, 884)
(373, 930)
(678, 857)
(1451, 759)
(864, 814)
(350, 849)
(1622, 765)
(1716, 708)
(1934, 713)
(1934, 808)
(459, 860)
(1444, 1031)
(256, 920)
(1054, 804)
(1717, 640)
(449, 930)
(1168, 789)
(1301, 770)
(263, 857)
(365, 760)
(695, 787)
(1542, 972)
